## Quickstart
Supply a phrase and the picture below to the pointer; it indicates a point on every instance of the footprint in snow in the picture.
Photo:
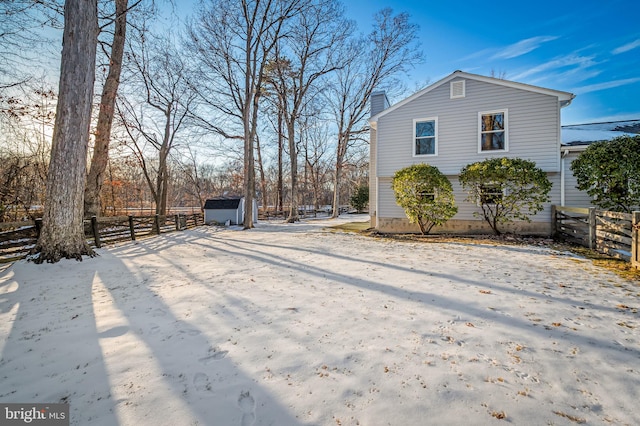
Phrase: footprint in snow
(201, 382)
(158, 313)
(248, 406)
(215, 355)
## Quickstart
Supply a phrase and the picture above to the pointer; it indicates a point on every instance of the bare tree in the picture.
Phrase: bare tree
(62, 232)
(315, 145)
(232, 41)
(308, 53)
(154, 119)
(388, 51)
(100, 155)
(22, 38)
(25, 144)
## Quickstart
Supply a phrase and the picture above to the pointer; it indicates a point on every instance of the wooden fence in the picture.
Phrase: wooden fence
(18, 238)
(613, 233)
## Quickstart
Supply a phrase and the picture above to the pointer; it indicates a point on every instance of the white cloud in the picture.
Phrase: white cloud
(582, 62)
(627, 47)
(522, 47)
(606, 85)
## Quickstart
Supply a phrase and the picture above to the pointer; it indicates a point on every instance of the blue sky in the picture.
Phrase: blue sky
(589, 48)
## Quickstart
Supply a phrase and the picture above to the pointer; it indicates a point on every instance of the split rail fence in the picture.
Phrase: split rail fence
(18, 238)
(612, 233)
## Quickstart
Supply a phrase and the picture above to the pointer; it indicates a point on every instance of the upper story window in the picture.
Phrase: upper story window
(493, 131)
(425, 136)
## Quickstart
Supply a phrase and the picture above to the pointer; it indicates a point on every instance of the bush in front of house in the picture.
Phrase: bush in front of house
(360, 199)
(609, 171)
(506, 189)
(425, 194)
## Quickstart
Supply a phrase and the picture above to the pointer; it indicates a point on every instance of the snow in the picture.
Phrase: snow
(298, 325)
(592, 132)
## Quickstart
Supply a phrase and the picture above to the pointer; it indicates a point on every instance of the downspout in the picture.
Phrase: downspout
(562, 176)
(377, 197)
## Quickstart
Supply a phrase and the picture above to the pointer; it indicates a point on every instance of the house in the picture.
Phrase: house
(459, 120)
(229, 210)
(575, 139)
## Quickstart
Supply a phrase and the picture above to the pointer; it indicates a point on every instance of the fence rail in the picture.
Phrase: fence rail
(613, 233)
(17, 239)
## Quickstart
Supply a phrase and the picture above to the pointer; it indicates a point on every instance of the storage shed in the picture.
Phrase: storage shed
(227, 209)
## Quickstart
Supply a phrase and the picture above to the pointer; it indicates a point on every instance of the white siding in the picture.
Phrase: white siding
(533, 125)
(373, 187)
(573, 197)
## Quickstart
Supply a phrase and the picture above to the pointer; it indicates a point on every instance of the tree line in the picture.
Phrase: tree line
(267, 99)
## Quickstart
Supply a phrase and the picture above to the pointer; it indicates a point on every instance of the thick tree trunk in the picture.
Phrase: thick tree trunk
(249, 183)
(62, 234)
(162, 182)
(249, 168)
(105, 116)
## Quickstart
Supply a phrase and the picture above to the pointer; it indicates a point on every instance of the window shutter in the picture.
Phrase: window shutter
(458, 89)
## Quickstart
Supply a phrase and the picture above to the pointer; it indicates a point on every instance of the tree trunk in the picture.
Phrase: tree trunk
(62, 232)
(263, 178)
(336, 190)
(249, 167)
(293, 156)
(280, 205)
(162, 181)
(337, 182)
(105, 116)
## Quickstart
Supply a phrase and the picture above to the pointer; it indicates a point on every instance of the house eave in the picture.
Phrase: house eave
(564, 98)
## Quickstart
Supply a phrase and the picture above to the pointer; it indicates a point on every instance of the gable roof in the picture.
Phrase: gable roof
(222, 203)
(564, 98)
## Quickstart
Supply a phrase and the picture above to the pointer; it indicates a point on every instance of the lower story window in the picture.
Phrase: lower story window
(427, 195)
(491, 193)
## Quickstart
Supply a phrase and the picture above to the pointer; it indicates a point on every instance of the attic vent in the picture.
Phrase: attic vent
(457, 89)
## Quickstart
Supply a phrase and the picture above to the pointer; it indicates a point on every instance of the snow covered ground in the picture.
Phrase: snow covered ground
(297, 325)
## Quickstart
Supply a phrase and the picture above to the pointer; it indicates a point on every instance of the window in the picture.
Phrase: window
(491, 193)
(493, 131)
(425, 133)
(427, 195)
(457, 89)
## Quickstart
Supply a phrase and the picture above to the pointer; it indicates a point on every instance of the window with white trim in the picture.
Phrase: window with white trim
(428, 196)
(491, 193)
(493, 131)
(425, 137)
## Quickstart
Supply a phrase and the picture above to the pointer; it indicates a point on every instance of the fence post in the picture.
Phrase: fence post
(635, 240)
(554, 221)
(38, 223)
(156, 223)
(176, 218)
(132, 228)
(592, 228)
(96, 231)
